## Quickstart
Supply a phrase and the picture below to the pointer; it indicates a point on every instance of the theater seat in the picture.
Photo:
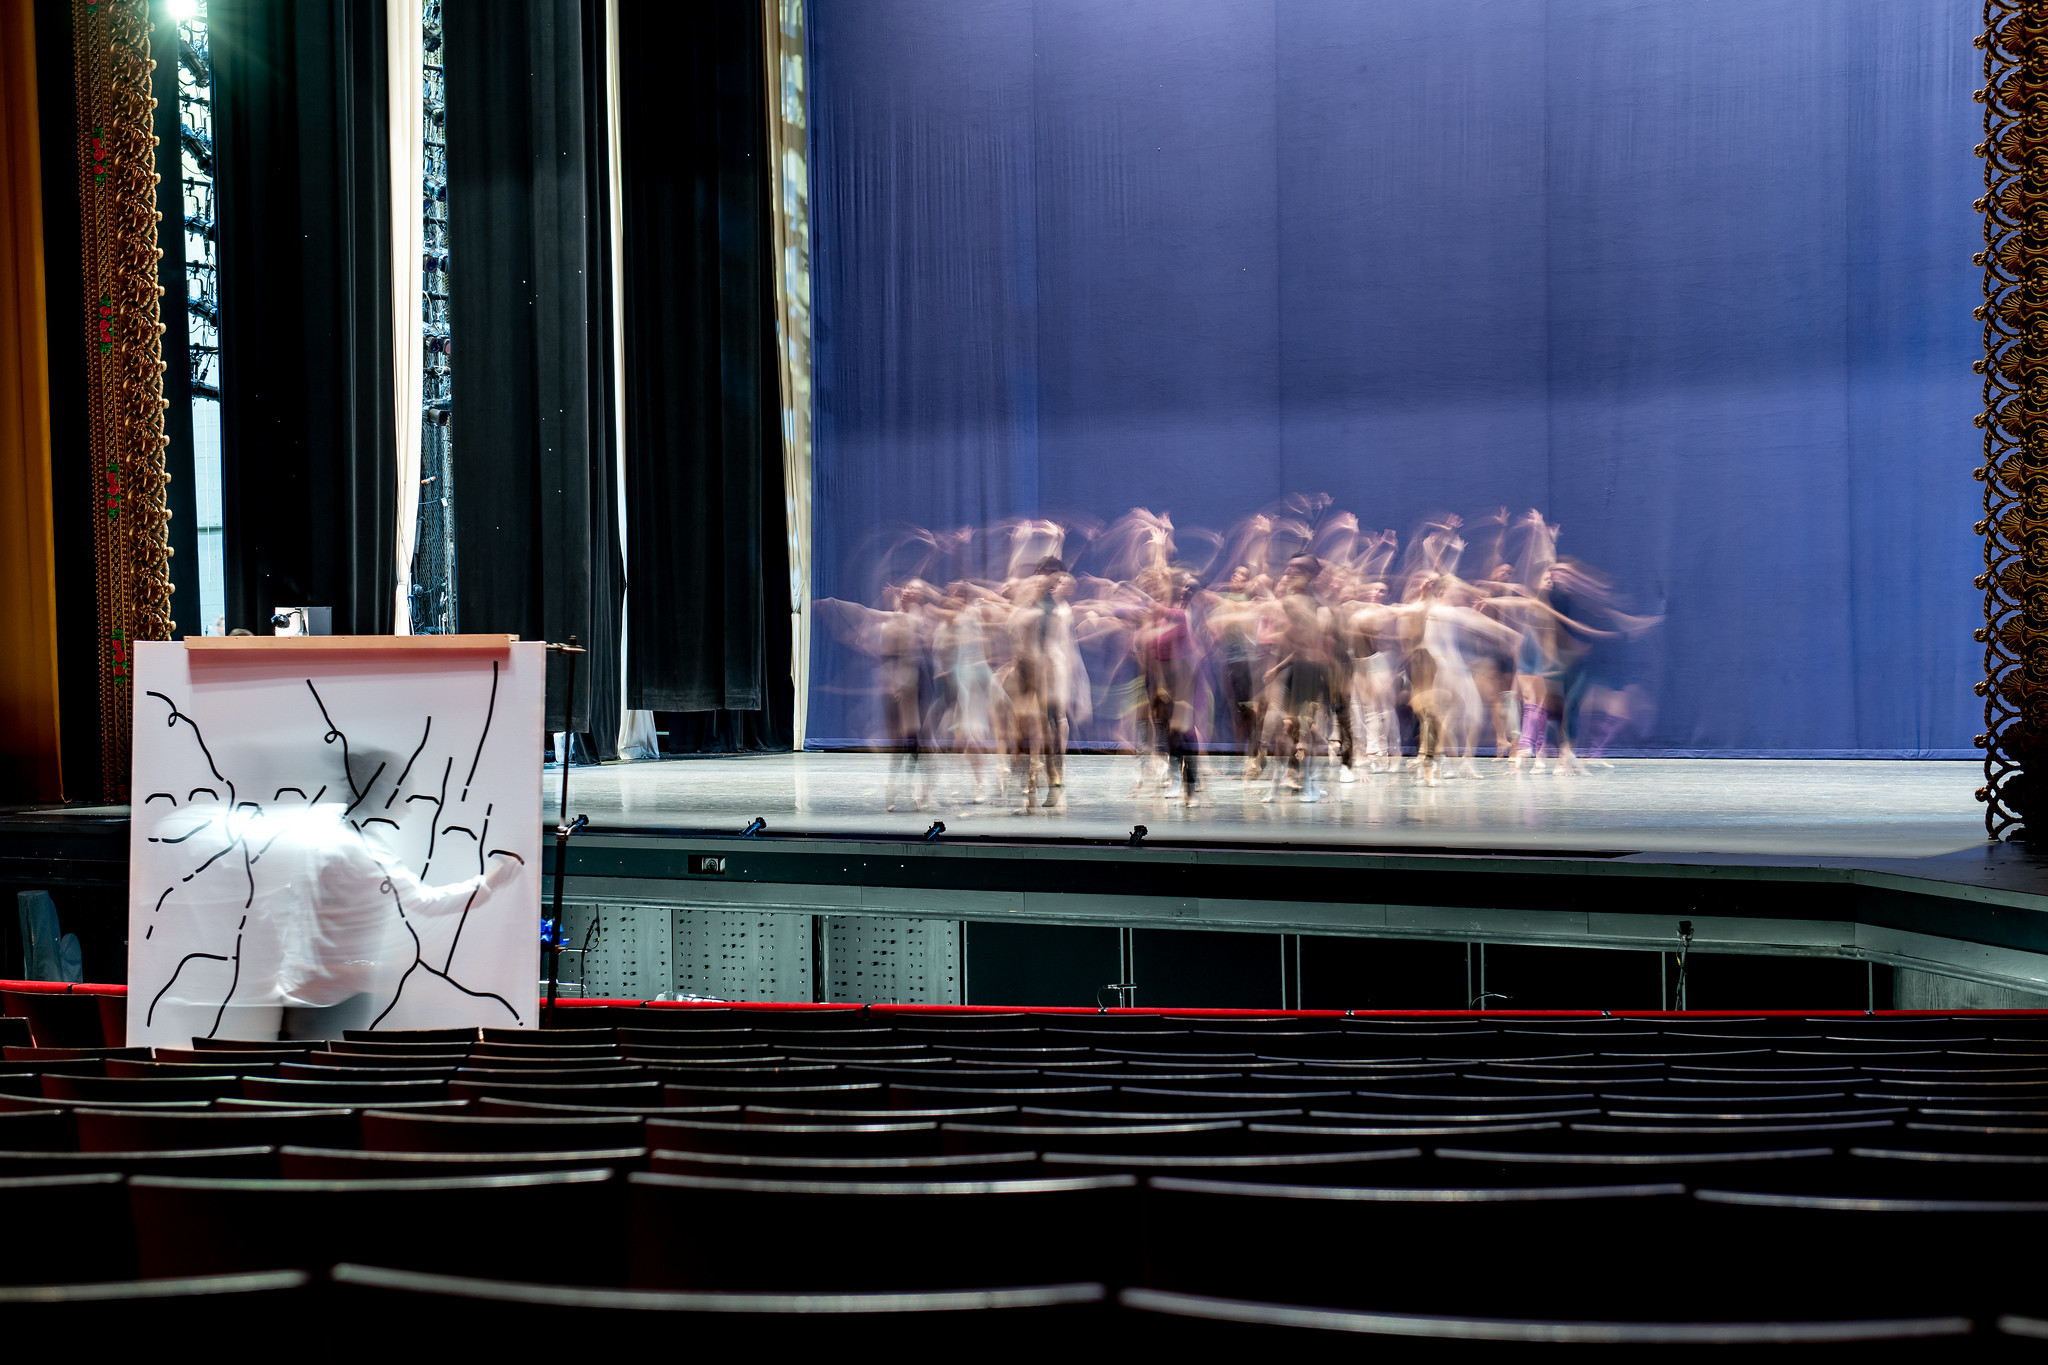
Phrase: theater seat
(448, 1313)
(1392, 1247)
(1384, 1166)
(132, 1130)
(575, 1059)
(961, 1113)
(628, 1095)
(489, 1225)
(707, 1232)
(222, 1064)
(134, 1089)
(552, 1037)
(1906, 1173)
(342, 1064)
(1961, 1255)
(1224, 1135)
(359, 1075)
(36, 1130)
(541, 1109)
(364, 1093)
(324, 1163)
(796, 1139)
(461, 1037)
(59, 1018)
(384, 1131)
(60, 1228)
(1781, 1168)
(36, 1056)
(849, 1095)
(241, 1162)
(145, 1316)
(1211, 1326)
(972, 1166)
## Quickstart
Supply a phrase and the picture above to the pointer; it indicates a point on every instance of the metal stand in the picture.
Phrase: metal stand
(563, 828)
(1684, 947)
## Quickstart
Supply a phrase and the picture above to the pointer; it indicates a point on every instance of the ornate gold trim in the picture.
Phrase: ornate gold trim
(790, 234)
(123, 336)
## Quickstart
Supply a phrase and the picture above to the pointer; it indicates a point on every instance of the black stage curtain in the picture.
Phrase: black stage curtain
(534, 533)
(73, 484)
(309, 492)
(182, 496)
(707, 545)
(608, 593)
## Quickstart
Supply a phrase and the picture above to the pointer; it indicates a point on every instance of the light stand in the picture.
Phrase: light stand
(563, 827)
(1684, 947)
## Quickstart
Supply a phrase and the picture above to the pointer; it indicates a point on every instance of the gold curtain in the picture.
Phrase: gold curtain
(790, 222)
(121, 336)
(29, 769)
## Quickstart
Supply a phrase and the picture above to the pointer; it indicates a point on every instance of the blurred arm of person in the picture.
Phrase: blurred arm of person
(359, 870)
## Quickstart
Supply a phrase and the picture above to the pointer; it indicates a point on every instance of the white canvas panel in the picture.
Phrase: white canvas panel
(333, 841)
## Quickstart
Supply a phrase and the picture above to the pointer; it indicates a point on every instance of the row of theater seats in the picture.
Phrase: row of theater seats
(1453, 1185)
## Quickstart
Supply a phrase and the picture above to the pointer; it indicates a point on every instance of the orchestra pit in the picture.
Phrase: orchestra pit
(987, 677)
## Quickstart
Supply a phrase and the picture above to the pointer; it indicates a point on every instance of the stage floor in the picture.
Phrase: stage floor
(1827, 807)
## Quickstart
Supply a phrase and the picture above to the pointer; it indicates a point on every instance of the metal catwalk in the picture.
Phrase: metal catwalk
(1837, 807)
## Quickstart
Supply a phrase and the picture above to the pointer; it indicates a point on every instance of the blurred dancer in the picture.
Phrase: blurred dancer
(960, 651)
(1303, 672)
(1594, 707)
(1319, 662)
(903, 657)
(1370, 634)
(1169, 653)
(1232, 624)
(1042, 633)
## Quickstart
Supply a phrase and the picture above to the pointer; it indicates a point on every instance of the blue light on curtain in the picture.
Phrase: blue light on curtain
(1694, 279)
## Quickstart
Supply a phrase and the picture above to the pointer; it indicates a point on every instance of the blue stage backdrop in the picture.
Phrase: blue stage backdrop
(1692, 278)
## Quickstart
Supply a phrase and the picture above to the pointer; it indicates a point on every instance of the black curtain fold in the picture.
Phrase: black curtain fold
(301, 156)
(534, 496)
(608, 589)
(527, 310)
(182, 496)
(707, 549)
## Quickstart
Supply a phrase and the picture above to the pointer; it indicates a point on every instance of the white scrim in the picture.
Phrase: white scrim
(328, 843)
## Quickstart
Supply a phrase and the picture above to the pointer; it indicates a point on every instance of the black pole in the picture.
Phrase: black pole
(561, 830)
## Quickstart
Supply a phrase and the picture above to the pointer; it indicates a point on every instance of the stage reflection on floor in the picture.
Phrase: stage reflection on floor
(1837, 807)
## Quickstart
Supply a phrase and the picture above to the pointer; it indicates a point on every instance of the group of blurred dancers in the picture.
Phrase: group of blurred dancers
(1298, 641)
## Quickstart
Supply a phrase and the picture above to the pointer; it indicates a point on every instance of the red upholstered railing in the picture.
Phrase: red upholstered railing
(63, 987)
(100, 988)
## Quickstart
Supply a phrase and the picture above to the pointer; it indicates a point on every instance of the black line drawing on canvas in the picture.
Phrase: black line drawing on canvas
(232, 837)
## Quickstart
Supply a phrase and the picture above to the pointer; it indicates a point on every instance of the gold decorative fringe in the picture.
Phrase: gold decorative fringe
(790, 229)
(122, 331)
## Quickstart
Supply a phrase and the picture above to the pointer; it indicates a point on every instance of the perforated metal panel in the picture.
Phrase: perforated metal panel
(742, 954)
(873, 961)
(645, 951)
(631, 956)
